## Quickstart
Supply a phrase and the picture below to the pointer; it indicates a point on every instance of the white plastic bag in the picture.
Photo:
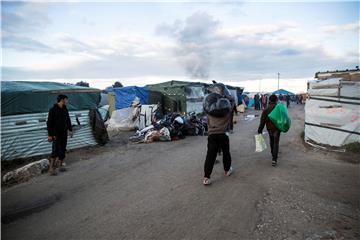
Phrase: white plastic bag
(260, 144)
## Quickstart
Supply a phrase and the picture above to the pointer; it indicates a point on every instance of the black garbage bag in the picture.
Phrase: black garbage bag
(219, 88)
(217, 105)
(98, 127)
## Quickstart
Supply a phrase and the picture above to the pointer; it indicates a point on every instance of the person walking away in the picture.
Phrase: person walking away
(247, 101)
(58, 125)
(281, 97)
(274, 133)
(218, 137)
(287, 100)
(256, 99)
(233, 111)
(264, 101)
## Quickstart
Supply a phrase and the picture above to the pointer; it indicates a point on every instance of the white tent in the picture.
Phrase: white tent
(332, 112)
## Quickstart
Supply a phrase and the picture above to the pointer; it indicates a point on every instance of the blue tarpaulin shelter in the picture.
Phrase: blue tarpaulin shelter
(283, 92)
(124, 96)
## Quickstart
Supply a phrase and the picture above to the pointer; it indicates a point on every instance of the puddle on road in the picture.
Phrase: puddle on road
(25, 211)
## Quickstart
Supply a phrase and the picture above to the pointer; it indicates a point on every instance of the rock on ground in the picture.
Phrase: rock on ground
(27, 172)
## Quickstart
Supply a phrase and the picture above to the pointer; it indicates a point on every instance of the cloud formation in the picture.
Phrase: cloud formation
(354, 26)
(199, 46)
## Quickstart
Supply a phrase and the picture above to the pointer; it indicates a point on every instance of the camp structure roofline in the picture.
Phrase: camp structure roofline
(347, 74)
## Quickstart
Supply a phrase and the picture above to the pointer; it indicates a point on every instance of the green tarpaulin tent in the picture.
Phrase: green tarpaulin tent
(181, 96)
(21, 97)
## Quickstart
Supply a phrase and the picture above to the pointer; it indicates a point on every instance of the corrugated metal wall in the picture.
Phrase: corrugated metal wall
(25, 135)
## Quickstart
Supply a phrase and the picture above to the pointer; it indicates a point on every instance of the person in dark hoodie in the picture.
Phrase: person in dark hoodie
(274, 132)
(58, 125)
(218, 139)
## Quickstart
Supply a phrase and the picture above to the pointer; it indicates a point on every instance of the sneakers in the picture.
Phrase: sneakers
(274, 163)
(228, 173)
(207, 181)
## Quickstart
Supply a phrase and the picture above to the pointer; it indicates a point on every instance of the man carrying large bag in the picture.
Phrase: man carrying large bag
(218, 108)
(277, 120)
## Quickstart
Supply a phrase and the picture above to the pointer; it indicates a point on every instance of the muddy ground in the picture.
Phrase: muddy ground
(155, 191)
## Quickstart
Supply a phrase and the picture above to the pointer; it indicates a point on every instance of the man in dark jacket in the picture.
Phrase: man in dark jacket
(274, 133)
(218, 139)
(58, 125)
(287, 97)
(257, 101)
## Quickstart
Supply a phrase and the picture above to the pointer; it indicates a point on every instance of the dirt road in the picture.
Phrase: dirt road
(155, 191)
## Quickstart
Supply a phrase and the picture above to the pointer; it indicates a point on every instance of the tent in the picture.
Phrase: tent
(125, 96)
(120, 98)
(19, 97)
(332, 112)
(236, 92)
(282, 92)
(181, 96)
(24, 109)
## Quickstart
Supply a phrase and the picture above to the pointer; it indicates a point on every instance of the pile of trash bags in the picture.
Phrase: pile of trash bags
(172, 126)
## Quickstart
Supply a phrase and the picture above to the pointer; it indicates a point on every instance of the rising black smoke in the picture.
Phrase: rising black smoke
(193, 37)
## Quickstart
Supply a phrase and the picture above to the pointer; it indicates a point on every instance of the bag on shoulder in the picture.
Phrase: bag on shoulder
(216, 105)
(280, 117)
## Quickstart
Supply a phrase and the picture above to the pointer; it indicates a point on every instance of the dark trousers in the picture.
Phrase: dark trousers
(216, 142)
(59, 146)
(274, 144)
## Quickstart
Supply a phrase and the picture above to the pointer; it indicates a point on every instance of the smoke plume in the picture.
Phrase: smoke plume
(193, 37)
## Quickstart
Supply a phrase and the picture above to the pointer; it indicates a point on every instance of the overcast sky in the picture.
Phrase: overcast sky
(244, 44)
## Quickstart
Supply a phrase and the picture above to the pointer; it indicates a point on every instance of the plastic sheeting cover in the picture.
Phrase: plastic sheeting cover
(125, 96)
(335, 116)
(22, 97)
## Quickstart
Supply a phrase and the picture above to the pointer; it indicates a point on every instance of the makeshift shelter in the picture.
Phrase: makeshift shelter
(24, 110)
(236, 92)
(20, 97)
(120, 98)
(332, 112)
(181, 96)
(283, 92)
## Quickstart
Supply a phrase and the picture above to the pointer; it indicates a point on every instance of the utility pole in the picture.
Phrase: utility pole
(278, 81)
(259, 85)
